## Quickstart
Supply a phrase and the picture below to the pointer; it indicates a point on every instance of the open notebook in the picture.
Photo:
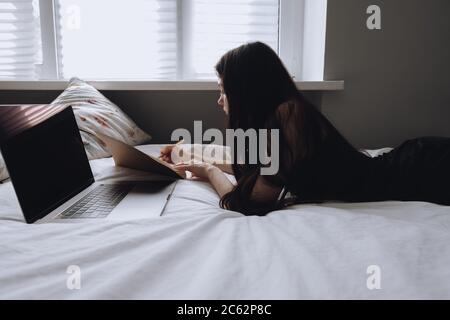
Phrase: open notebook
(127, 156)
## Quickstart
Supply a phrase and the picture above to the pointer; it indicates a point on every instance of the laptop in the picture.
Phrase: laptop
(51, 175)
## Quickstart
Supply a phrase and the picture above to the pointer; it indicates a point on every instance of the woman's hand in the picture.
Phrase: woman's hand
(199, 170)
(209, 172)
(167, 151)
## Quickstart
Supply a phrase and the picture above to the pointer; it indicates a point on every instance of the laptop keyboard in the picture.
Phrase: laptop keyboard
(98, 203)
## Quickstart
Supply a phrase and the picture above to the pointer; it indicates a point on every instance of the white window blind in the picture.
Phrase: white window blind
(19, 39)
(138, 39)
(148, 39)
(220, 25)
(117, 39)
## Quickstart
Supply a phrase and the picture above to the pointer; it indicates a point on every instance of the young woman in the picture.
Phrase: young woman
(317, 163)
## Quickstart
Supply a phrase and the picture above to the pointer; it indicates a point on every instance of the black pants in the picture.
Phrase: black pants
(417, 170)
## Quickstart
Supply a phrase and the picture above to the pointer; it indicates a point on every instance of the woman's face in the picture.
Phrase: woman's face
(223, 102)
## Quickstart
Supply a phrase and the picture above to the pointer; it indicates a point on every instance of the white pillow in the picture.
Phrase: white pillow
(95, 113)
(378, 152)
(3, 172)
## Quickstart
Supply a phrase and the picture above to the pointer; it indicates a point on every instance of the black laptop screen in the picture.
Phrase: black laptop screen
(47, 164)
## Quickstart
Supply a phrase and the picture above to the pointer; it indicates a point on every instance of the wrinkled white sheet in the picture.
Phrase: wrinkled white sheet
(199, 251)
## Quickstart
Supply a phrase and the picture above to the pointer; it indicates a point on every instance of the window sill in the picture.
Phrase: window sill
(132, 85)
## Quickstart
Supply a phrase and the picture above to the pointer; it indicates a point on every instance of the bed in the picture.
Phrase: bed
(198, 251)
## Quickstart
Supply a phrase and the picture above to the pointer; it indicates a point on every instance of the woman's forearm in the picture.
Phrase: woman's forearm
(203, 153)
(219, 181)
(225, 167)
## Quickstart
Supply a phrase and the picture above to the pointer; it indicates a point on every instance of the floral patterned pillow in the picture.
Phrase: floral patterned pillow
(95, 113)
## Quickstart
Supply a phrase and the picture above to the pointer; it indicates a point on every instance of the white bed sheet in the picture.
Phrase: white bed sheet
(199, 251)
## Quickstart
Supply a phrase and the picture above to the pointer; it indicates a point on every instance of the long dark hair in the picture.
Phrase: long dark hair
(256, 83)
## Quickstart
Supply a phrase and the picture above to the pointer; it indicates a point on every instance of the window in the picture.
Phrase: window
(20, 46)
(141, 39)
(115, 39)
(215, 26)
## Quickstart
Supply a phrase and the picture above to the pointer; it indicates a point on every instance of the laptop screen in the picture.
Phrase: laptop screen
(47, 162)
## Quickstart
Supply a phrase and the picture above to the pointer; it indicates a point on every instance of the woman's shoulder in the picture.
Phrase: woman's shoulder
(294, 106)
(288, 106)
(287, 111)
(297, 114)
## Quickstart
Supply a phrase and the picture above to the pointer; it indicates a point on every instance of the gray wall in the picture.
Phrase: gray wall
(397, 81)
(162, 112)
(157, 112)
